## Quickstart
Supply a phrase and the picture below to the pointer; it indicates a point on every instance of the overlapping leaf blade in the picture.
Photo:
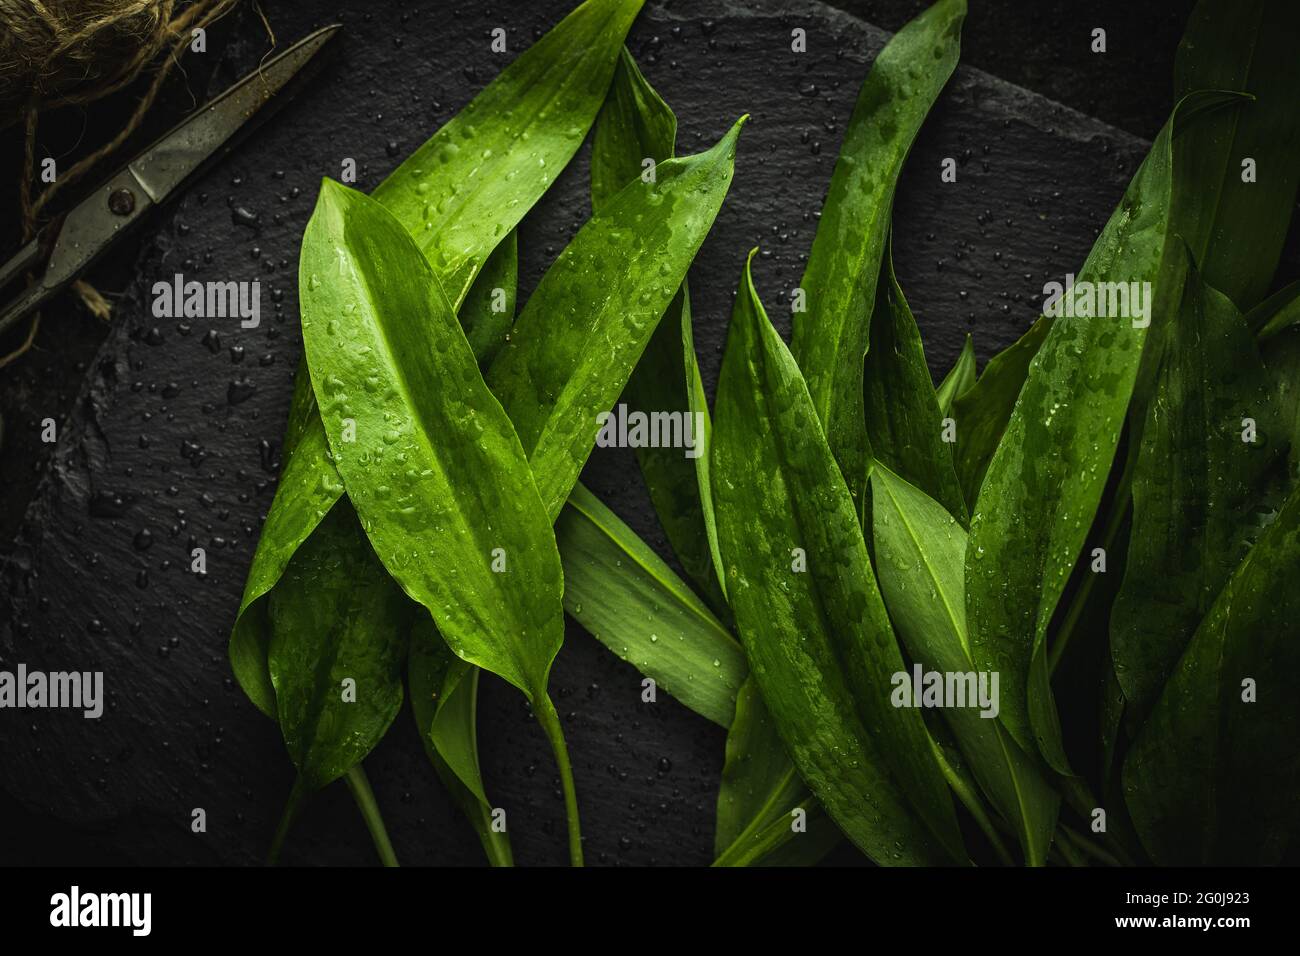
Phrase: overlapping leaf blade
(903, 419)
(1038, 498)
(634, 132)
(444, 697)
(413, 429)
(960, 379)
(831, 337)
(920, 550)
(631, 601)
(1212, 778)
(471, 183)
(818, 641)
(982, 412)
(1195, 487)
(1235, 224)
(563, 78)
(335, 659)
(596, 308)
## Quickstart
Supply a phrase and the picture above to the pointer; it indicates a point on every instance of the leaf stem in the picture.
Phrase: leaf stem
(971, 802)
(550, 721)
(292, 807)
(365, 798)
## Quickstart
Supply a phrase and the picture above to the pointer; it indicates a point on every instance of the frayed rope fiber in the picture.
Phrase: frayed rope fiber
(57, 53)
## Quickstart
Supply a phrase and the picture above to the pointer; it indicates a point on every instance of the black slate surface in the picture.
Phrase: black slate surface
(173, 440)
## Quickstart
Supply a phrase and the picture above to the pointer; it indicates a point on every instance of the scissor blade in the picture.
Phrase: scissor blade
(163, 166)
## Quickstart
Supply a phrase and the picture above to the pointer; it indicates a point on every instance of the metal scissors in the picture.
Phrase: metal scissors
(69, 244)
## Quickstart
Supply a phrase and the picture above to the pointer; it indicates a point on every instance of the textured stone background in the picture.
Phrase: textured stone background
(170, 438)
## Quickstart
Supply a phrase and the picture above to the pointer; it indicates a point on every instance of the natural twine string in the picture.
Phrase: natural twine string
(57, 53)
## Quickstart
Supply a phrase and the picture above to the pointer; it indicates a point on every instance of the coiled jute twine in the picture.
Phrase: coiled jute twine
(56, 53)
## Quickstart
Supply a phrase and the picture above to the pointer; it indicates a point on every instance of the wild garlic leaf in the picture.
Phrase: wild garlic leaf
(624, 594)
(1196, 487)
(444, 702)
(905, 428)
(920, 550)
(1213, 776)
(634, 132)
(610, 285)
(473, 181)
(839, 284)
(563, 78)
(305, 494)
(1045, 480)
(808, 610)
(413, 430)
(1244, 162)
(960, 378)
(981, 413)
(1278, 313)
(760, 794)
(488, 311)
(339, 641)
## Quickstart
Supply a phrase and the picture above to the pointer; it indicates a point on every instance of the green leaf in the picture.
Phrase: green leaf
(1213, 776)
(305, 494)
(413, 429)
(489, 309)
(636, 128)
(444, 702)
(617, 588)
(562, 79)
(982, 412)
(610, 285)
(760, 794)
(818, 640)
(920, 550)
(960, 378)
(904, 425)
(779, 845)
(1279, 312)
(1044, 482)
(1236, 228)
(476, 178)
(339, 626)
(831, 337)
(1195, 486)
(635, 131)
(755, 757)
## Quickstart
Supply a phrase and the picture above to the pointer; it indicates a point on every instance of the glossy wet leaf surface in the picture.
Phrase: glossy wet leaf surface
(339, 625)
(413, 429)
(1196, 488)
(905, 428)
(462, 191)
(636, 128)
(584, 328)
(831, 336)
(445, 185)
(1038, 498)
(920, 549)
(818, 641)
(628, 598)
